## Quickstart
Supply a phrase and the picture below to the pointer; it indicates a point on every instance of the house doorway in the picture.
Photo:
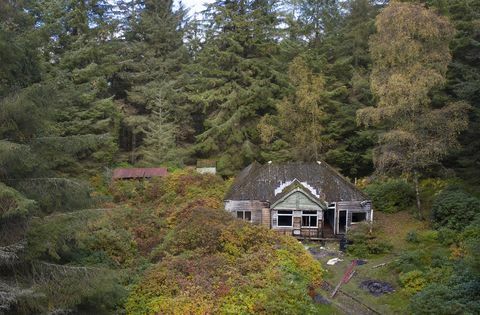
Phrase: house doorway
(329, 223)
(342, 221)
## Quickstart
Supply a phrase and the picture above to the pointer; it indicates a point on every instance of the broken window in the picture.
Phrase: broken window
(285, 218)
(358, 217)
(244, 215)
(309, 219)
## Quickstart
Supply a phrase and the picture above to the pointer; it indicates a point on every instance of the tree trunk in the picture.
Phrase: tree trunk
(134, 144)
(417, 194)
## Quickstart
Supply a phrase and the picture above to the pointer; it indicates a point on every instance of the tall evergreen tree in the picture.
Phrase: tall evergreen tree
(235, 79)
(160, 135)
(153, 55)
(463, 80)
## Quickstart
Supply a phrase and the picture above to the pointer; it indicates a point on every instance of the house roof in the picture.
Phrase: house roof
(125, 173)
(270, 181)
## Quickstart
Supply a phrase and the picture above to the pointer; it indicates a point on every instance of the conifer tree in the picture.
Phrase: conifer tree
(153, 55)
(235, 79)
(463, 80)
(159, 143)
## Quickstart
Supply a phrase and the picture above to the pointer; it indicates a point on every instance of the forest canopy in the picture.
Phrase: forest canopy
(375, 88)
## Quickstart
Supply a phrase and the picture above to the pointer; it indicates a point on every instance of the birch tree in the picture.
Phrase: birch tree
(410, 54)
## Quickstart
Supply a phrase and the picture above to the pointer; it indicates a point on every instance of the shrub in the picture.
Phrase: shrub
(454, 209)
(412, 237)
(364, 242)
(413, 281)
(12, 203)
(214, 264)
(458, 296)
(447, 236)
(392, 195)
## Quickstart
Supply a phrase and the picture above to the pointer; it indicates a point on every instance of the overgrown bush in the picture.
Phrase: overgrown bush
(459, 295)
(12, 203)
(392, 195)
(213, 263)
(413, 281)
(454, 209)
(363, 242)
(412, 237)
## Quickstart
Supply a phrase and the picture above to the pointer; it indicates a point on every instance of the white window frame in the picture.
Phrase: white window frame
(309, 215)
(284, 215)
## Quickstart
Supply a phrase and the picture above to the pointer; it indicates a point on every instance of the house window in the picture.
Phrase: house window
(309, 219)
(244, 215)
(285, 218)
(358, 217)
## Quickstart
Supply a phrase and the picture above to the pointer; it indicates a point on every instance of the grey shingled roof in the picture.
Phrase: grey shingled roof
(258, 182)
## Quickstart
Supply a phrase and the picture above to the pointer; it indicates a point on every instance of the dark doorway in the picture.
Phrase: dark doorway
(342, 222)
(329, 223)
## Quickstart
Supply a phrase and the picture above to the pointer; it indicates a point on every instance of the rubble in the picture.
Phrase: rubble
(376, 287)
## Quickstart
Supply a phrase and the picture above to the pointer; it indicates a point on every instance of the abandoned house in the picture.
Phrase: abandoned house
(307, 200)
(138, 173)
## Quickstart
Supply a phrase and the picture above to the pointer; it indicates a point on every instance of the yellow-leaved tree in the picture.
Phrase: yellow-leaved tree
(410, 54)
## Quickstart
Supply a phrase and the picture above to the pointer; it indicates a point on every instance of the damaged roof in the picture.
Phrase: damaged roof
(267, 182)
(125, 173)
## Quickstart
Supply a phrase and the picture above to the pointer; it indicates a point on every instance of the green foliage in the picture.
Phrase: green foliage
(364, 242)
(240, 79)
(56, 194)
(12, 203)
(67, 287)
(56, 237)
(410, 56)
(413, 281)
(214, 263)
(392, 195)
(454, 209)
(88, 84)
(457, 296)
(412, 237)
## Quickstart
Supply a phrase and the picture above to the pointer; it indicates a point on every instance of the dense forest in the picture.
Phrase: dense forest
(387, 92)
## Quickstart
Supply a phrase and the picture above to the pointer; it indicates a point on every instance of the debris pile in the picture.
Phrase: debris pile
(376, 287)
(320, 299)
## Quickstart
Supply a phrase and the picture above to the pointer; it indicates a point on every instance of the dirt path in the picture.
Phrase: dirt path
(347, 303)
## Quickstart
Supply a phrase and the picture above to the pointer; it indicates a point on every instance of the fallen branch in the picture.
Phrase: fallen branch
(383, 264)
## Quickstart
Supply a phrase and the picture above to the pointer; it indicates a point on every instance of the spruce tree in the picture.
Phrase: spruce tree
(235, 80)
(153, 54)
(159, 143)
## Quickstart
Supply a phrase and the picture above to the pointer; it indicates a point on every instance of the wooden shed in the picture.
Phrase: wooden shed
(302, 199)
